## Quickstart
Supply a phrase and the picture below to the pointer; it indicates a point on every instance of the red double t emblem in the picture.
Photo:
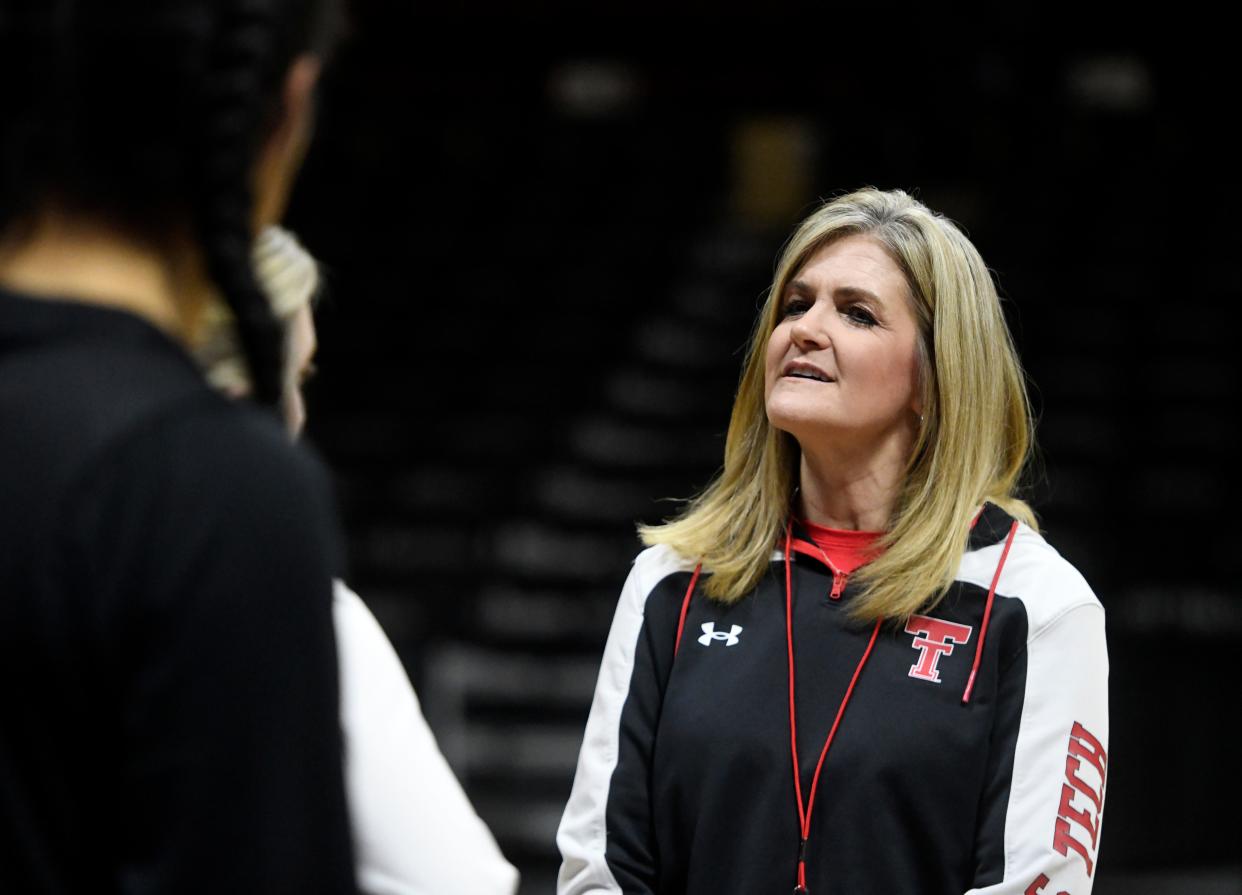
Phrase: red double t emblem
(933, 638)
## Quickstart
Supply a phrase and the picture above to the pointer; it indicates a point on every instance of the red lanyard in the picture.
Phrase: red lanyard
(804, 814)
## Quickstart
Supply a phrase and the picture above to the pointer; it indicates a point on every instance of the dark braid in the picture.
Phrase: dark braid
(149, 116)
(234, 112)
(249, 54)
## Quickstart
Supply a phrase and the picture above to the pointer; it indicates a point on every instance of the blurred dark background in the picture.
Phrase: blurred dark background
(545, 256)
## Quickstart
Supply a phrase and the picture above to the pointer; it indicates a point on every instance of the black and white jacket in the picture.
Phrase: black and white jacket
(685, 785)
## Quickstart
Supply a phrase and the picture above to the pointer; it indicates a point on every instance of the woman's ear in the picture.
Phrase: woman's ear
(282, 152)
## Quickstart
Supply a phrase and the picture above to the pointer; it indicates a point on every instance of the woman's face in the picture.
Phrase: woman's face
(298, 367)
(842, 363)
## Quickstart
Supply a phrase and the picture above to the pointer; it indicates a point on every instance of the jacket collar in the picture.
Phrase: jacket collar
(991, 527)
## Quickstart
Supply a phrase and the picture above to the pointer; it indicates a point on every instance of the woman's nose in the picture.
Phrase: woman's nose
(811, 329)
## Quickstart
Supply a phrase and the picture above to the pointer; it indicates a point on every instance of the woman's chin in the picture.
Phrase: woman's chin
(786, 410)
(805, 425)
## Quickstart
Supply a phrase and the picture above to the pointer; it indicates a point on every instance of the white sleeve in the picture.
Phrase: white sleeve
(583, 836)
(415, 832)
(1060, 764)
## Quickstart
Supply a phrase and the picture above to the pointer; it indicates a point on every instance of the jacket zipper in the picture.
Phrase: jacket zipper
(838, 577)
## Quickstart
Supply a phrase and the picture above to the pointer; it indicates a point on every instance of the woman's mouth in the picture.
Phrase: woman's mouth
(802, 370)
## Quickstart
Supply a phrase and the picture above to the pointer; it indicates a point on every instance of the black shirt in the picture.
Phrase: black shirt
(168, 695)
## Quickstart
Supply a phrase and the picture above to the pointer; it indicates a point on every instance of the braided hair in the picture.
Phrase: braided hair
(150, 116)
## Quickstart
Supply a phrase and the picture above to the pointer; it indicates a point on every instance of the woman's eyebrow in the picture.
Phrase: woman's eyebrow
(855, 292)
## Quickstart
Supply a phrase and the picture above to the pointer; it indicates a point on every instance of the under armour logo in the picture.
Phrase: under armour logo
(933, 637)
(710, 633)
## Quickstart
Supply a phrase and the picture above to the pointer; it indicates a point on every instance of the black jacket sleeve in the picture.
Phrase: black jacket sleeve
(213, 550)
(606, 838)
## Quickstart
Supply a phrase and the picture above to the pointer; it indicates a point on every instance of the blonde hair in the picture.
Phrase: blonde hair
(288, 276)
(972, 444)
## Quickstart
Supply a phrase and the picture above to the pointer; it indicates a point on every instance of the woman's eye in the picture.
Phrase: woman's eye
(859, 316)
(794, 306)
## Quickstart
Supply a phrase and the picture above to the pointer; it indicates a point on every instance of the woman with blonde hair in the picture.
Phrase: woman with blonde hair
(415, 831)
(853, 664)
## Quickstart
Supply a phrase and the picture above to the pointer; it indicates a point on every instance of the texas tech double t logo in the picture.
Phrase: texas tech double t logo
(933, 638)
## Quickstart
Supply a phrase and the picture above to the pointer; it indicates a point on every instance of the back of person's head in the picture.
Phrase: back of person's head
(150, 117)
